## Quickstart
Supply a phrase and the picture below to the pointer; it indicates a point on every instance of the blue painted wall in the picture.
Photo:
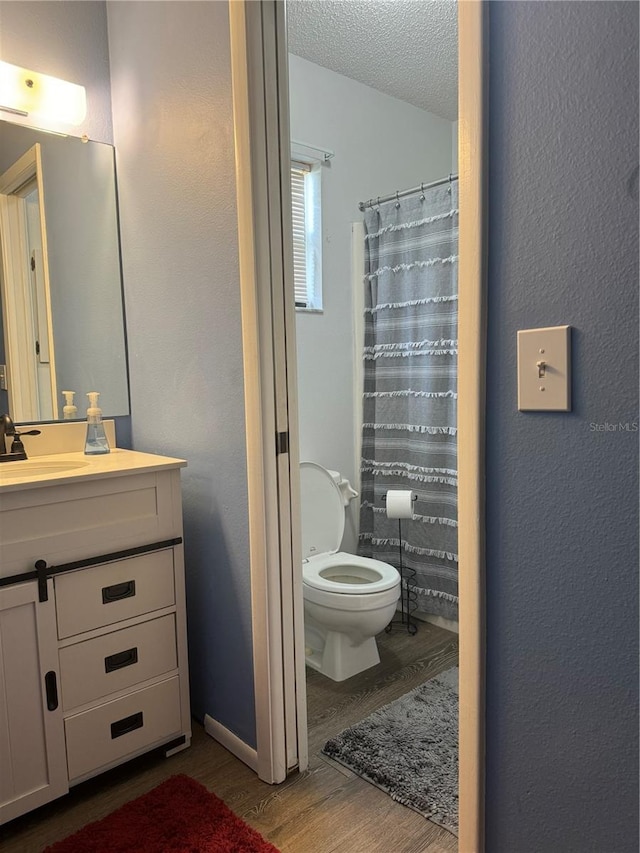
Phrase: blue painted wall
(173, 131)
(562, 489)
(68, 40)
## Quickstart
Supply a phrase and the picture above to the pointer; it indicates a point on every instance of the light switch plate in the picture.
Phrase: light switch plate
(544, 369)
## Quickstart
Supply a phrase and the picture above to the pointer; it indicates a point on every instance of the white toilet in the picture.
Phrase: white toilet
(347, 599)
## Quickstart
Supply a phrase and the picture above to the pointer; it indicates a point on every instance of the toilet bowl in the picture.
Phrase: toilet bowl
(347, 599)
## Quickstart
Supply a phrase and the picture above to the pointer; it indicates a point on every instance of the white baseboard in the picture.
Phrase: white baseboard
(232, 742)
(440, 621)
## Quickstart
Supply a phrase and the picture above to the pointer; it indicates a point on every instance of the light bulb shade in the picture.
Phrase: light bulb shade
(41, 96)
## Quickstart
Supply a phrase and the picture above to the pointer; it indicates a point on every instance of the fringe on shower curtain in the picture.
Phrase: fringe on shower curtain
(409, 432)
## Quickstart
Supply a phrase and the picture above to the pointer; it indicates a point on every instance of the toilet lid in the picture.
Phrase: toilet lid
(322, 511)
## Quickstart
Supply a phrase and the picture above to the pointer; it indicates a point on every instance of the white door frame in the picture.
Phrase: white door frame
(260, 97)
(473, 79)
(258, 46)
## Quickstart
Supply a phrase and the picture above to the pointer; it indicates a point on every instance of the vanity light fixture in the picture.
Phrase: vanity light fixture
(29, 93)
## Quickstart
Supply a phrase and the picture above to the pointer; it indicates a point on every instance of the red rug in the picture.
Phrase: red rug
(179, 816)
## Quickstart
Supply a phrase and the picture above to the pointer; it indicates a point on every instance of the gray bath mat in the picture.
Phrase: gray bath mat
(409, 749)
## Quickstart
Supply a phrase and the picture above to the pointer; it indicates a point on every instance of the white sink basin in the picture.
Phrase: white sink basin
(34, 468)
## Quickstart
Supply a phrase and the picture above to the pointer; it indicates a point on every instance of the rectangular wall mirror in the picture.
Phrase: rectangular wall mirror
(62, 322)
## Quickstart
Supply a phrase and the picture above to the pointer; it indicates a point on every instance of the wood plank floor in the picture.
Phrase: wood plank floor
(327, 809)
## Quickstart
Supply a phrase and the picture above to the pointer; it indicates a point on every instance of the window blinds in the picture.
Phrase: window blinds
(301, 283)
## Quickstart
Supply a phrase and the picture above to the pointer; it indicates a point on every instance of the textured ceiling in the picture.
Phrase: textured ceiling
(405, 48)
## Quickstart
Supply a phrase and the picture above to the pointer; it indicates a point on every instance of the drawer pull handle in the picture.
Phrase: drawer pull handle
(118, 591)
(51, 689)
(126, 725)
(121, 659)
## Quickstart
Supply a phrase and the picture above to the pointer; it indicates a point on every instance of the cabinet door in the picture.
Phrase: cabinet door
(33, 768)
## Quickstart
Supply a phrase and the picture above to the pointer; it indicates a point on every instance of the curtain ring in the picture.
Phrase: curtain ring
(421, 191)
(378, 203)
(397, 200)
(450, 183)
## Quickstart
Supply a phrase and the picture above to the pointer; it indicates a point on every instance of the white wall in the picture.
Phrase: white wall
(381, 145)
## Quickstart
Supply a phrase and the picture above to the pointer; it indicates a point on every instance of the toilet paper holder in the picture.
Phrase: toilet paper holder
(414, 497)
(408, 595)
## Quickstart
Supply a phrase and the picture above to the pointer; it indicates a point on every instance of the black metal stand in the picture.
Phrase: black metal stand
(408, 596)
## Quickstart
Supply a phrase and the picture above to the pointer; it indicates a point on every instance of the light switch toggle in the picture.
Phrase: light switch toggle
(544, 369)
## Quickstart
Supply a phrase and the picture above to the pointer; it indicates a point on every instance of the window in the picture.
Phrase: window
(307, 234)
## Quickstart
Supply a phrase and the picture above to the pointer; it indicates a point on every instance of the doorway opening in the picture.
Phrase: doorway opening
(263, 158)
(368, 133)
(30, 376)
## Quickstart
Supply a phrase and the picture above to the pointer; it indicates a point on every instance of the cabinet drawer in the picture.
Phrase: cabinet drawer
(67, 522)
(98, 667)
(91, 598)
(116, 729)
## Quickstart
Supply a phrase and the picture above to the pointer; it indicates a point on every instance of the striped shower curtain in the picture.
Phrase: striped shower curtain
(410, 367)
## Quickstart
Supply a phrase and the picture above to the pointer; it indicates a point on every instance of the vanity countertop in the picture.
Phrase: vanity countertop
(75, 467)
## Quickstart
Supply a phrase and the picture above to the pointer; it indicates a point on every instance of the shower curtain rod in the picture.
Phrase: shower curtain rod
(374, 202)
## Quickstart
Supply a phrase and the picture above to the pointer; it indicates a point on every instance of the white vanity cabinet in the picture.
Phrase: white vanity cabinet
(93, 653)
(32, 746)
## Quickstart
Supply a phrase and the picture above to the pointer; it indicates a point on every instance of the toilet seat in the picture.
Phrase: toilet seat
(324, 568)
(334, 573)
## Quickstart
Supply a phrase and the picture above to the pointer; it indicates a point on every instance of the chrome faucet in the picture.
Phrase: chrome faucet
(17, 451)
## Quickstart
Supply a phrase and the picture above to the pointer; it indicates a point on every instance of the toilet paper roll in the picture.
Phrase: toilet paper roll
(399, 503)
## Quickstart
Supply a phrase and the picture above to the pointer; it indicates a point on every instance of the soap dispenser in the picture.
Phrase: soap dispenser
(96, 441)
(69, 410)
